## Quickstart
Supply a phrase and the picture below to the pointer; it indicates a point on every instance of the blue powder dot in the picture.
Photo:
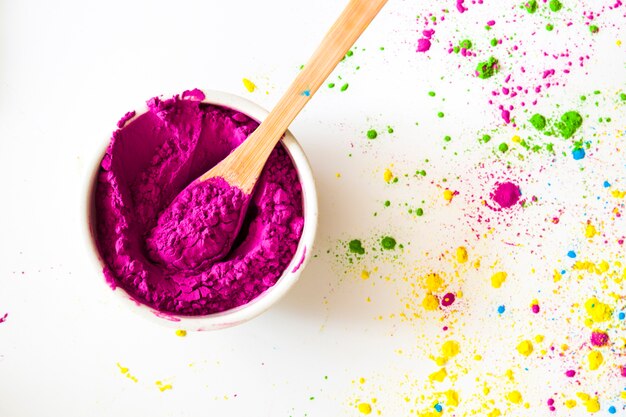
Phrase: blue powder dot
(612, 410)
(606, 184)
(438, 408)
(501, 309)
(306, 93)
(621, 315)
(562, 272)
(578, 153)
(571, 254)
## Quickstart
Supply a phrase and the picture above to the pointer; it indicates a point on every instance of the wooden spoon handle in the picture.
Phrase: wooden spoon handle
(250, 157)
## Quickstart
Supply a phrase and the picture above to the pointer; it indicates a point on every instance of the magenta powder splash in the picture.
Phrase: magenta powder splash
(599, 339)
(570, 373)
(4, 318)
(423, 45)
(506, 194)
(147, 164)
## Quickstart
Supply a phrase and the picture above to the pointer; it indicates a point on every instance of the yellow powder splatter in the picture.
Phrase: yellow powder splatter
(387, 175)
(515, 397)
(250, 86)
(498, 279)
(494, 413)
(450, 349)
(539, 338)
(593, 406)
(365, 274)
(433, 282)
(448, 195)
(430, 302)
(618, 42)
(361, 380)
(478, 357)
(570, 403)
(618, 194)
(595, 359)
(438, 376)
(556, 277)
(125, 371)
(365, 408)
(461, 254)
(181, 333)
(163, 387)
(590, 231)
(516, 139)
(452, 398)
(525, 348)
(598, 312)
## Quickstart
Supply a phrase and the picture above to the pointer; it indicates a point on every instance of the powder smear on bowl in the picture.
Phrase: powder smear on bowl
(147, 164)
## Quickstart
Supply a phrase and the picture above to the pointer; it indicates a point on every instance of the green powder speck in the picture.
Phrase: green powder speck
(594, 29)
(623, 96)
(538, 121)
(549, 27)
(447, 138)
(570, 122)
(388, 243)
(531, 6)
(387, 203)
(494, 42)
(503, 147)
(350, 53)
(486, 138)
(597, 92)
(466, 44)
(419, 212)
(389, 129)
(456, 49)
(583, 98)
(431, 93)
(372, 134)
(440, 114)
(355, 246)
(331, 85)
(344, 87)
(555, 5)
(487, 69)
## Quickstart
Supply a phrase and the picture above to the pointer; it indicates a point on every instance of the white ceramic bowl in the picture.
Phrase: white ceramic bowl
(289, 277)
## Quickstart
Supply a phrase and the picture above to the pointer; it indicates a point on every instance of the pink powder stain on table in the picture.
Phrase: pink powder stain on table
(506, 194)
(599, 339)
(4, 318)
(147, 252)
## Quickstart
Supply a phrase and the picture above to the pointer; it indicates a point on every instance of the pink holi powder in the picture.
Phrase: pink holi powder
(599, 339)
(535, 308)
(460, 7)
(623, 371)
(506, 194)
(448, 299)
(4, 318)
(570, 374)
(423, 45)
(146, 166)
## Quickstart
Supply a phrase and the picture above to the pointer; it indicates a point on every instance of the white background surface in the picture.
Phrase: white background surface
(69, 70)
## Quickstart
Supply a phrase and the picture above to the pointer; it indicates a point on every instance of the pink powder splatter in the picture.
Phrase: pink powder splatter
(506, 194)
(4, 318)
(570, 374)
(448, 299)
(623, 371)
(535, 308)
(460, 7)
(599, 339)
(423, 45)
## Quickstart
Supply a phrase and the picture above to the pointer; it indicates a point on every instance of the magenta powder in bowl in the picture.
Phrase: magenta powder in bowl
(153, 157)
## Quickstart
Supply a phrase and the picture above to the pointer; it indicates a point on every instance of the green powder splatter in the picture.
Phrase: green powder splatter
(583, 98)
(350, 53)
(331, 85)
(623, 96)
(440, 114)
(494, 42)
(389, 129)
(538, 121)
(570, 122)
(555, 5)
(531, 6)
(344, 87)
(431, 93)
(503, 147)
(355, 246)
(447, 138)
(466, 43)
(388, 243)
(420, 172)
(594, 29)
(372, 134)
(486, 138)
(456, 49)
(419, 212)
(387, 203)
(487, 69)
(549, 27)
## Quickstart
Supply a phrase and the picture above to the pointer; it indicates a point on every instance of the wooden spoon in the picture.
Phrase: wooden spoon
(242, 168)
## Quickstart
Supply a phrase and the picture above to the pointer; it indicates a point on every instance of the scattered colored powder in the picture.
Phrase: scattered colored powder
(598, 312)
(452, 398)
(538, 121)
(450, 349)
(612, 410)
(498, 279)
(331, 85)
(431, 93)
(438, 376)
(578, 154)
(365, 408)
(387, 175)
(621, 315)
(592, 405)
(438, 408)
(389, 129)
(599, 338)
(125, 371)
(430, 302)
(487, 69)
(571, 254)
(534, 306)
(163, 387)
(448, 299)
(423, 45)
(4, 318)
(448, 195)
(506, 194)
(181, 333)
(515, 397)
(388, 243)
(466, 44)
(622, 96)
(250, 86)
(447, 138)
(356, 246)
(461, 254)
(590, 231)
(570, 373)
(503, 147)
(549, 27)
(531, 6)
(433, 282)
(555, 5)
(525, 348)
(494, 42)
(485, 139)
(365, 274)
(594, 29)
(440, 114)
(419, 212)
(569, 124)
(372, 134)
(345, 87)
(501, 309)
(595, 359)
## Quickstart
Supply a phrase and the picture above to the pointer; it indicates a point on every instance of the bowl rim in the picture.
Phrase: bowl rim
(267, 298)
